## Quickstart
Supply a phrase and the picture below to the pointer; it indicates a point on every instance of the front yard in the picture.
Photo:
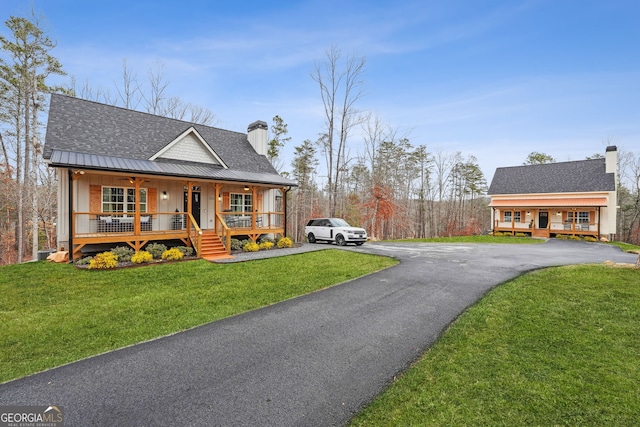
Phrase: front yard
(557, 346)
(53, 314)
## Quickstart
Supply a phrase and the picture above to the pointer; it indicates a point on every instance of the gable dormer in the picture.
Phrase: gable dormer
(189, 146)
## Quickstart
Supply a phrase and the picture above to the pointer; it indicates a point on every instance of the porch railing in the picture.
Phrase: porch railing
(96, 223)
(102, 227)
(566, 227)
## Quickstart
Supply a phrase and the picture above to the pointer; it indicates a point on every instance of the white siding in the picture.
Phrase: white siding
(189, 149)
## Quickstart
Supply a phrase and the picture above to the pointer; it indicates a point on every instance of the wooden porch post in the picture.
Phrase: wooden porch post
(136, 214)
(217, 195)
(513, 221)
(72, 213)
(254, 205)
(189, 188)
(218, 198)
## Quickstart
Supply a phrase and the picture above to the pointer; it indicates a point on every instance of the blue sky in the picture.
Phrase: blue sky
(492, 79)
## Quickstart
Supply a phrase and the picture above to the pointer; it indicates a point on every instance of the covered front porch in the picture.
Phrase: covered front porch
(111, 209)
(548, 217)
(548, 222)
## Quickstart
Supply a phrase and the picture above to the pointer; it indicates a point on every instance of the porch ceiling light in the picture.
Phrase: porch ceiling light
(164, 195)
(246, 188)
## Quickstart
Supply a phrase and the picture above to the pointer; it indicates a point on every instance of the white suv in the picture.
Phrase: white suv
(334, 230)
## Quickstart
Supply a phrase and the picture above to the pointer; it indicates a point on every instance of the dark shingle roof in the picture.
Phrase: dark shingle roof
(93, 135)
(562, 177)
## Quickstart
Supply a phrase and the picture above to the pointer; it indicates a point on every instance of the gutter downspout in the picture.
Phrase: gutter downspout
(70, 219)
(285, 210)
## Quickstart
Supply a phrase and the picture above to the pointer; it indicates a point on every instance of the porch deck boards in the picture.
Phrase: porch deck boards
(545, 232)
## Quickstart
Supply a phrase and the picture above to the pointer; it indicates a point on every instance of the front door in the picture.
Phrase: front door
(543, 219)
(195, 205)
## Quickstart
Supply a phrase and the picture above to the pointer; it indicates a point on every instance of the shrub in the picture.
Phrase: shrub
(186, 250)
(84, 261)
(251, 247)
(236, 245)
(522, 235)
(141, 257)
(156, 249)
(574, 238)
(265, 245)
(267, 240)
(104, 260)
(562, 236)
(123, 253)
(285, 242)
(172, 254)
(590, 239)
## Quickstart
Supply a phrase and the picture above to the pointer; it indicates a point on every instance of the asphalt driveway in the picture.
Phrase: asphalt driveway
(310, 361)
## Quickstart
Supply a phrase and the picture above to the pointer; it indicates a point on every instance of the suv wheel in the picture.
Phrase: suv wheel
(340, 240)
(311, 238)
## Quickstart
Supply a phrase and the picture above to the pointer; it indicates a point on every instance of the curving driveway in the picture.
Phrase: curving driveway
(310, 361)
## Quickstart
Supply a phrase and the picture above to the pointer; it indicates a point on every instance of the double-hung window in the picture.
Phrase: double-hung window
(516, 216)
(122, 200)
(512, 216)
(580, 217)
(241, 202)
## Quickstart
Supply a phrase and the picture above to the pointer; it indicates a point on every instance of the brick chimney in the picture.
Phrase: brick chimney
(257, 135)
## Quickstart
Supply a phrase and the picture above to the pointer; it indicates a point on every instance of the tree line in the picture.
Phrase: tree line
(393, 188)
(398, 190)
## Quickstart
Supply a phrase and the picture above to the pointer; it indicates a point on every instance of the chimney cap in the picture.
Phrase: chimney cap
(611, 148)
(259, 124)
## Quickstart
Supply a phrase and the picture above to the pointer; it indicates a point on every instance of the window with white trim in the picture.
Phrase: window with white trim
(580, 217)
(240, 202)
(509, 215)
(122, 199)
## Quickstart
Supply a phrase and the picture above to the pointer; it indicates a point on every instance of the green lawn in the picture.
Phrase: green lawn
(559, 346)
(554, 347)
(627, 247)
(53, 314)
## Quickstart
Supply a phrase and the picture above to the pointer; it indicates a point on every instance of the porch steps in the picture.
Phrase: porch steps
(212, 247)
(540, 233)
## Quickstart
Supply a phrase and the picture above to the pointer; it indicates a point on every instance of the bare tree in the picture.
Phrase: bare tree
(23, 78)
(155, 96)
(304, 165)
(629, 197)
(129, 94)
(340, 89)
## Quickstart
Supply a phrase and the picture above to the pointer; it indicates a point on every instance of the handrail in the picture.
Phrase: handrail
(198, 233)
(225, 231)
